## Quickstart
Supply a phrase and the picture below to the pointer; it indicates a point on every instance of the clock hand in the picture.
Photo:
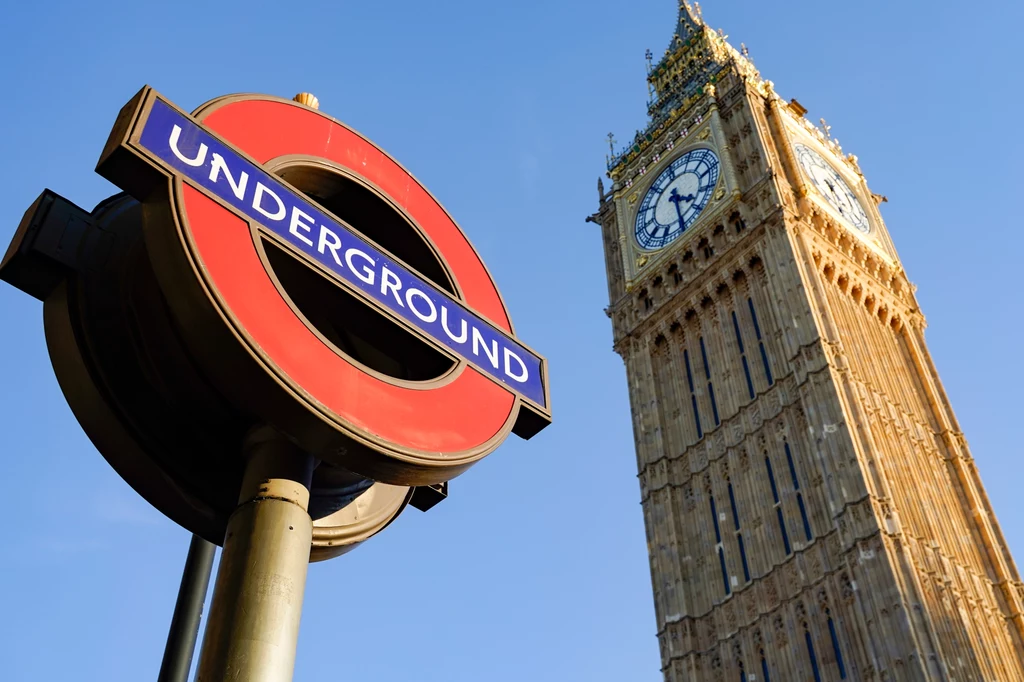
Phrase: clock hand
(676, 199)
(832, 188)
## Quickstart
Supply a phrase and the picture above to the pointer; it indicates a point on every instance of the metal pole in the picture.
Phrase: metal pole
(188, 612)
(253, 627)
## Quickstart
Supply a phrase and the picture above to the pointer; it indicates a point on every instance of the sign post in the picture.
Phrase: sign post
(279, 338)
(188, 611)
(257, 600)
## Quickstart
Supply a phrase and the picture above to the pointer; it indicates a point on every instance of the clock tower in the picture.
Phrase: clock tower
(812, 509)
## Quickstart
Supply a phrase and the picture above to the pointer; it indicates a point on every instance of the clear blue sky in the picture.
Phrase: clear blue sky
(535, 568)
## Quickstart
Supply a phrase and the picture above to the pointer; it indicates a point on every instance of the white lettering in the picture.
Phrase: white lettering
(333, 246)
(219, 166)
(367, 274)
(389, 280)
(461, 338)
(297, 224)
(479, 343)
(200, 156)
(409, 293)
(279, 214)
(523, 373)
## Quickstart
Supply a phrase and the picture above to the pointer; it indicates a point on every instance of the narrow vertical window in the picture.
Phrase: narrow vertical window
(753, 317)
(803, 514)
(835, 647)
(743, 356)
(764, 668)
(739, 535)
(714, 405)
(725, 573)
(782, 527)
(707, 374)
(760, 342)
(693, 394)
(799, 495)
(714, 517)
(792, 467)
(721, 552)
(732, 503)
(778, 506)
(814, 659)
(771, 480)
(743, 557)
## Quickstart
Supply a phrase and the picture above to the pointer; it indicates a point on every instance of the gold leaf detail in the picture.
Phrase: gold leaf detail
(308, 99)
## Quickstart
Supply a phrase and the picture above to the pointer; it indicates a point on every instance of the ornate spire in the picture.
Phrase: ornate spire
(691, 61)
(690, 19)
(696, 58)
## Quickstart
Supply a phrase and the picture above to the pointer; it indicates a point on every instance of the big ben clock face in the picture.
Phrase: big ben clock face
(676, 198)
(831, 185)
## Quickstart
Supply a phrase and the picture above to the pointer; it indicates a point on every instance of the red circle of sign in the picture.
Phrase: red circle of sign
(462, 415)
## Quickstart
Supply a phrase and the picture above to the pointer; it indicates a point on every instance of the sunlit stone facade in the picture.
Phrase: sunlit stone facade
(811, 505)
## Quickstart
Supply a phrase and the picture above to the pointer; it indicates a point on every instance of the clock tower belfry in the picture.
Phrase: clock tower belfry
(812, 509)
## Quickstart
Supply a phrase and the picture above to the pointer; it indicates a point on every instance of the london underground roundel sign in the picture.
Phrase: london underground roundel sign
(323, 288)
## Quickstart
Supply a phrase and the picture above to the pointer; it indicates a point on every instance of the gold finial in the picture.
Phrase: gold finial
(827, 128)
(308, 99)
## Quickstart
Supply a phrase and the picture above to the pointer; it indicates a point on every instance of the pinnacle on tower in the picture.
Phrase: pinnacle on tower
(694, 62)
(690, 19)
